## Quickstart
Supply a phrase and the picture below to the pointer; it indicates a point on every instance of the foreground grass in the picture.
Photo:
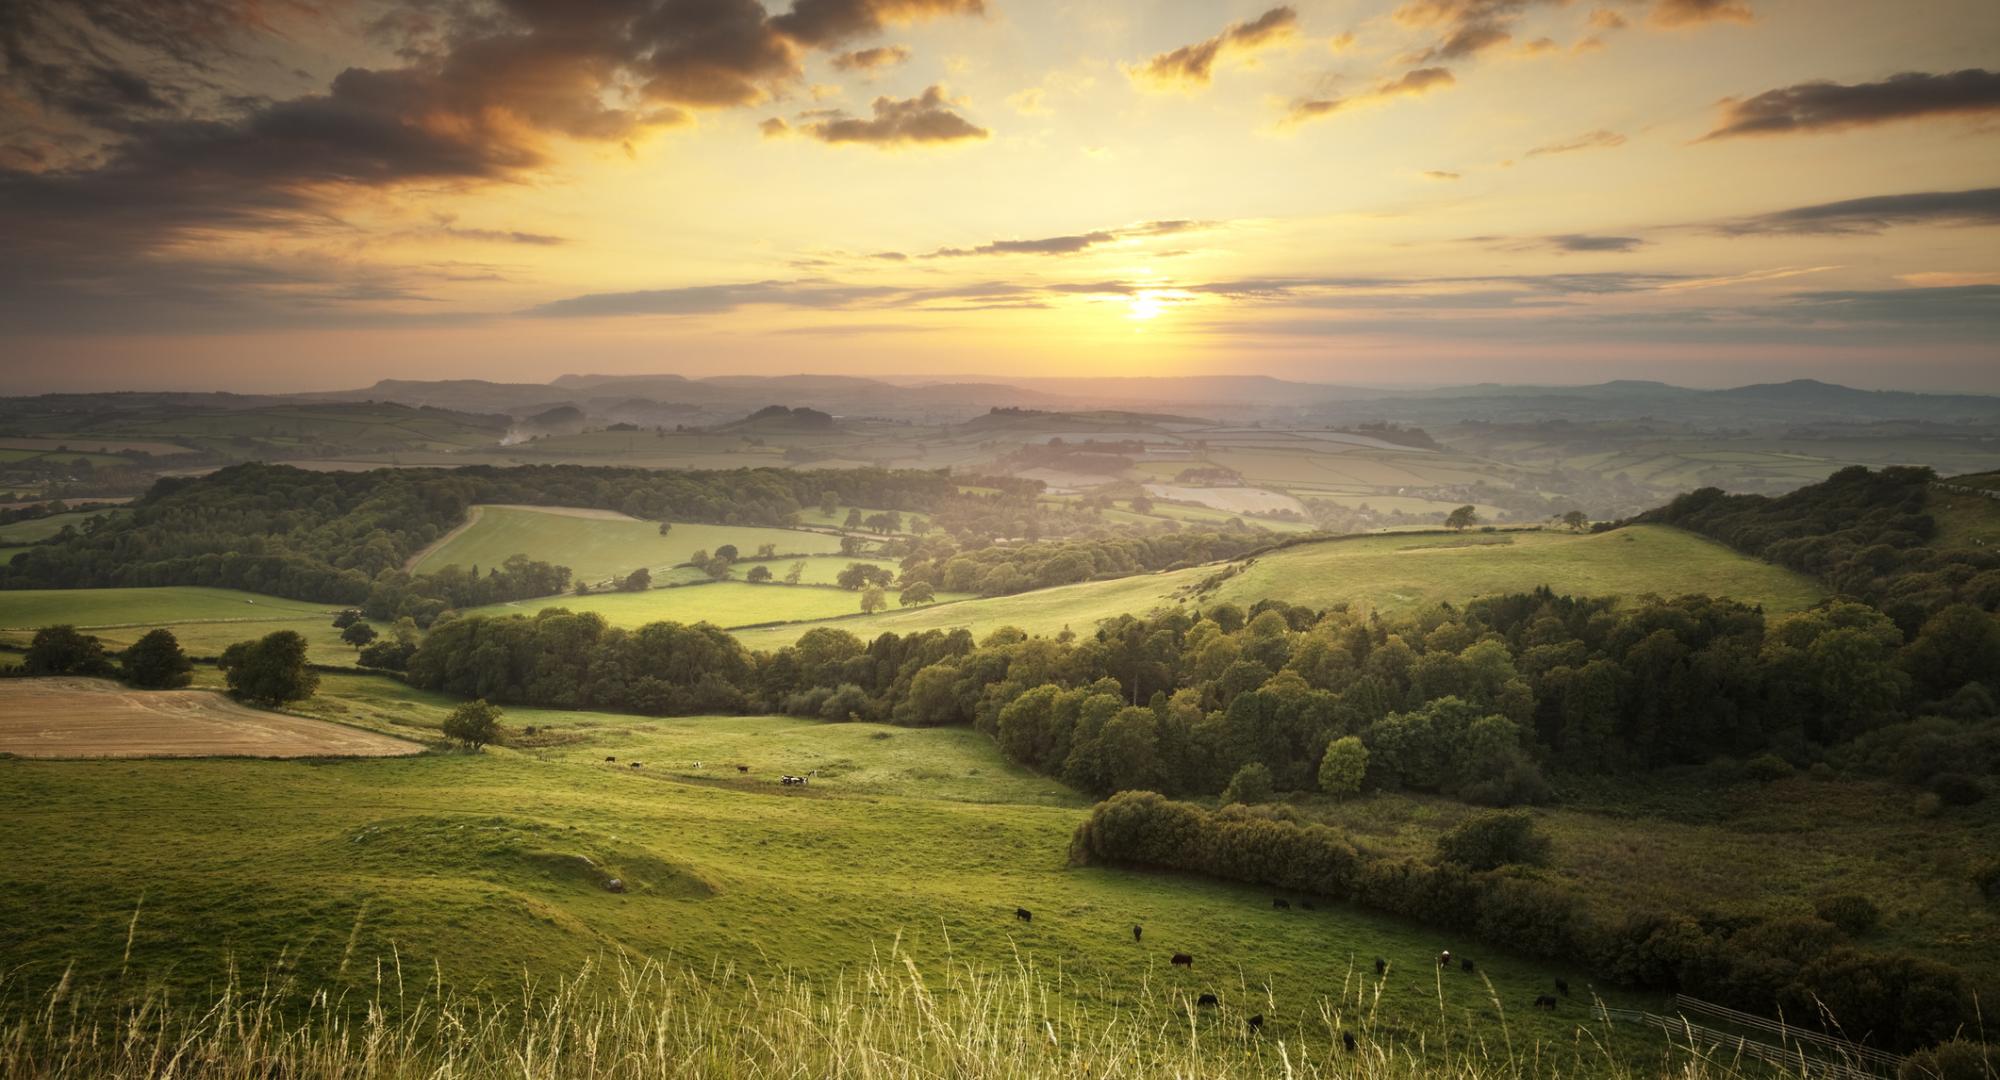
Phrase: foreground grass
(883, 1018)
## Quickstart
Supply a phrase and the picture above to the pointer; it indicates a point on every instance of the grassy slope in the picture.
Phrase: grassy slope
(35, 530)
(1392, 573)
(597, 548)
(205, 620)
(724, 603)
(465, 861)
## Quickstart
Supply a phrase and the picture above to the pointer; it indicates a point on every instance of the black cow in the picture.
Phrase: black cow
(611, 757)
(1182, 959)
(1562, 987)
(1024, 914)
(635, 764)
(1347, 1040)
(1138, 932)
(1279, 903)
(1381, 966)
(1208, 1000)
(1465, 965)
(1256, 1023)
(742, 768)
(1546, 1001)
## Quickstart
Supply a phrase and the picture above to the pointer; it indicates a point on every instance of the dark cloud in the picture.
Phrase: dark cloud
(1194, 65)
(1675, 13)
(819, 23)
(1409, 84)
(1441, 174)
(1072, 244)
(875, 59)
(1831, 106)
(1585, 242)
(1873, 214)
(924, 119)
(1594, 140)
(1466, 28)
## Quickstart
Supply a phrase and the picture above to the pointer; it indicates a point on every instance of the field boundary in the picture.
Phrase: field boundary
(1781, 1057)
(472, 515)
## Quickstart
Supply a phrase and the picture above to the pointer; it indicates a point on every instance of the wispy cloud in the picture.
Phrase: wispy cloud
(1830, 106)
(1193, 66)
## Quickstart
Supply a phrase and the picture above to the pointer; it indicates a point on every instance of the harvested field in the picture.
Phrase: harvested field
(79, 718)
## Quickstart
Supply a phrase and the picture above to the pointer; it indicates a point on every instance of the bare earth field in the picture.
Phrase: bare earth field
(98, 718)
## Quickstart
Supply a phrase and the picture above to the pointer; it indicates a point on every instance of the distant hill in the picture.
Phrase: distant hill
(1107, 420)
(780, 418)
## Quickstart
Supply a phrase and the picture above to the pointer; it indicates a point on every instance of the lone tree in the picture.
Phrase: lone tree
(1141, 504)
(728, 551)
(1251, 784)
(1465, 517)
(271, 670)
(758, 575)
(1576, 520)
(359, 634)
(65, 650)
(666, 527)
(347, 617)
(873, 599)
(156, 662)
(853, 519)
(1343, 767)
(473, 724)
(797, 572)
(637, 581)
(918, 593)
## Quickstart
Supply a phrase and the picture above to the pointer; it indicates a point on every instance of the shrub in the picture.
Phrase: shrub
(1855, 915)
(271, 670)
(1343, 767)
(1251, 784)
(1987, 879)
(1767, 767)
(1957, 789)
(65, 650)
(1954, 1060)
(1495, 839)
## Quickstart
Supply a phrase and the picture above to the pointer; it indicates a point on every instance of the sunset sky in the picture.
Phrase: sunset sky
(269, 195)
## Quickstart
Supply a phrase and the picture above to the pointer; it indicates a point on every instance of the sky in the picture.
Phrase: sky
(269, 195)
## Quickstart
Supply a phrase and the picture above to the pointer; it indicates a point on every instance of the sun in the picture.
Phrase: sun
(1146, 305)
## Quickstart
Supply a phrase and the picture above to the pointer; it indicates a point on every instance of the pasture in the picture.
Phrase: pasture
(36, 530)
(1393, 573)
(598, 545)
(922, 840)
(99, 718)
(724, 603)
(206, 621)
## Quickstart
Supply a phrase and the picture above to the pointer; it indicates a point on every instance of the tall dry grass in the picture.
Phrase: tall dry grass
(647, 1019)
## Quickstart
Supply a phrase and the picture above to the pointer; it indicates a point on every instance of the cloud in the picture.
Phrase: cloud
(1076, 242)
(1677, 13)
(924, 119)
(829, 22)
(1958, 305)
(1594, 140)
(1409, 84)
(1875, 213)
(1191, 66)
(504, 236)
(1831, 106)
(712, 299)
(1466, 27)
(875, 59)
(1441, 174)
(1583, 242)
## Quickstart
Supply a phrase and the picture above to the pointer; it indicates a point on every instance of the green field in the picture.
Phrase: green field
(724, 603)
(1390, 573)
(598, 545)
(36, 530)
(476, 867)
(206, 621)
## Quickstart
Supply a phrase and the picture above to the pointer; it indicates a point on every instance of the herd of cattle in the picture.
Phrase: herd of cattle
(786, 779)
(1255, 1024)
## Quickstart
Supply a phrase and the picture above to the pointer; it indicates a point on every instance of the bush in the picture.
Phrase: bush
(1251, 784)
(473, 724)
(1343, 767)
(156, 662)
(65, 650)
(1855, 915)
(1492, 840)
(1987, 879)
(271, 670)
(1767, 767)
(1957, 789)
(1954, 1060)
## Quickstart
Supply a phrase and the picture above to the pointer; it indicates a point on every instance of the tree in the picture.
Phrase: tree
(853, 518)
(727, 551)
(271, 670)
(156, 662)
(1251, 784)
(828, 504)
(666, 527)
(873, 599)
(637, 581)
(65, 650)
(473, 724)
(1465, 517)
(758, 575)
(767, 551)
(1343, 767)
(358, 635)
(718, 567)
(918, 593)
(1576, 520)
(346, 618)
(583, 588)
(699, 558)
(1495, 839)
(1141, 504)
(797, 572)
(862, 575)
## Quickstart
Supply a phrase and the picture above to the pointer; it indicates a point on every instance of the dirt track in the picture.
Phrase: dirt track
(90, 718)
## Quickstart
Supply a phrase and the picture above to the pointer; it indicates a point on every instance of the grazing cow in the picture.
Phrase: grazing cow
(742, 768)
(1381, 966)
(1255, 1023)
(1182, 959)
(1465, 965)
(1546, 1001)
(1208, 1000)
(1024, 914)
(611, 757)
(1562, 987)
(1279, 903)
(635, 764)
(789, 780)
(1138, 932)
(1308, 905)
(1444, 958)
(1347, 1040)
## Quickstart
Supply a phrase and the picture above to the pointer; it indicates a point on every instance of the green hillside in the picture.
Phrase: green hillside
(205, 620)
(1390, 572)
(598, 545)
